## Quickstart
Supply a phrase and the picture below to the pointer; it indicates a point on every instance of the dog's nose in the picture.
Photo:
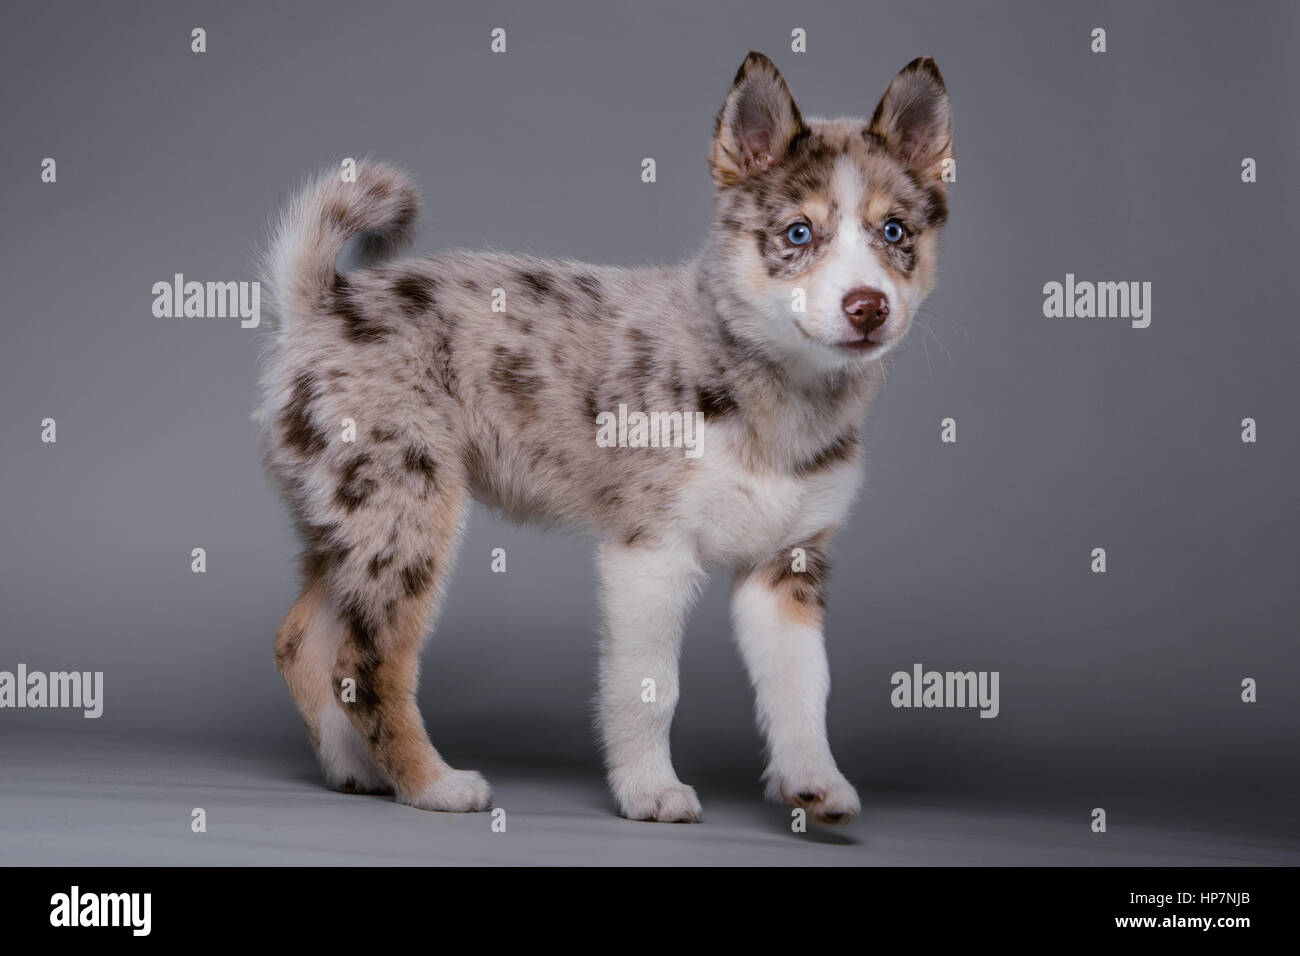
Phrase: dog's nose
(866, 308)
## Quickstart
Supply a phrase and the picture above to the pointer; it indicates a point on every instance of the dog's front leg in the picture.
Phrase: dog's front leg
(777, 609)
(646, 593)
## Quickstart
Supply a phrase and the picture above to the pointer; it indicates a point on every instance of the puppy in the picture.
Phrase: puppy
(394, 394)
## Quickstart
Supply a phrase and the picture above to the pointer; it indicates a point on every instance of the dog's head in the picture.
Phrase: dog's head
(825, 231)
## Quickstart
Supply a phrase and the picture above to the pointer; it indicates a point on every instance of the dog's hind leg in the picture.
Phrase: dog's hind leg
(387, 588)
(306, 647)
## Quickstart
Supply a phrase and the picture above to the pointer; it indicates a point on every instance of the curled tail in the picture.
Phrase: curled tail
(298, 269)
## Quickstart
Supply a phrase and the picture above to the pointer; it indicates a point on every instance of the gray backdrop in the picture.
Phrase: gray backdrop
(1072, 434)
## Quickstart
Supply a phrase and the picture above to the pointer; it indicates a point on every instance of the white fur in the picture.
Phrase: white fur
(852, 264)
(343, 754)
(646, 597)
(455, 791)
(787, 666)
(738, 516)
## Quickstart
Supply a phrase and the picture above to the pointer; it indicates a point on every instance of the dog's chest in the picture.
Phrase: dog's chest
(740, 516)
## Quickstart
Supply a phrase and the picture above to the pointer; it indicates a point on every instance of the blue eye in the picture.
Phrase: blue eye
(799, 234)
(894, 231)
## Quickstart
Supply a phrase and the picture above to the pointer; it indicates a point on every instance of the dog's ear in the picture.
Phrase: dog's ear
(756, 123)
(913, 119)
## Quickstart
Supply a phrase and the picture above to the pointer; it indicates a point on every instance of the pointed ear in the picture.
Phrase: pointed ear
(756, 123)
(913, 119)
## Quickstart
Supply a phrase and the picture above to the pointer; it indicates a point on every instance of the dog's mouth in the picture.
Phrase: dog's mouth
(864, 344)
(860, 346)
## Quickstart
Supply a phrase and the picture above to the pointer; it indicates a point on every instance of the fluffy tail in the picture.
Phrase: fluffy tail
(298, 270)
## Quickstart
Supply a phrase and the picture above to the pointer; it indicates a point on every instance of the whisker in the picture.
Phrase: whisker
(958, 327)
(926, 326)
(926, 349)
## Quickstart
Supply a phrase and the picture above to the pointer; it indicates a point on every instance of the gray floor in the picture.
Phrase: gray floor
(78, 802)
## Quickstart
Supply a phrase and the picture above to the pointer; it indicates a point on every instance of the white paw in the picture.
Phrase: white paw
(455, 791)
(827, 796)
(662, 803)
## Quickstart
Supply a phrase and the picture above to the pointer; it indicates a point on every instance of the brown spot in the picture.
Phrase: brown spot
(321, 550)
(590, 287)
(812, 577)
(405, 217)
(801, 595)
(841, 449)
(540, 284)
(417, 462)
(354, 488)
(443, 369)
(378, 563)
(300, 432)
(609, 497)
(417, 577)
(802, 606)
(365, 674)
(416, 292)
(338, 215)
(359, 625)
(936, 207)
(511, 373)
(357, 326)
(716, 401)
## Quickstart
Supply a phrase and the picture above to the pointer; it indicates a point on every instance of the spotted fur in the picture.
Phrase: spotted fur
(451, 400)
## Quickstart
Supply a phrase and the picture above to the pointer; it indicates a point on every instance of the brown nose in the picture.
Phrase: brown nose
(866, 308)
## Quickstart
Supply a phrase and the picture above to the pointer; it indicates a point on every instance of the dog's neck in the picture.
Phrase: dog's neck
(790, 408)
